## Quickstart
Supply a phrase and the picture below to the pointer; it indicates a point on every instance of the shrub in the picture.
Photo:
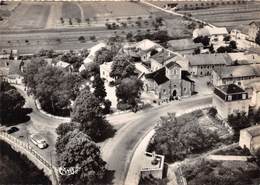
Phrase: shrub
(123, 106)
(212, 112)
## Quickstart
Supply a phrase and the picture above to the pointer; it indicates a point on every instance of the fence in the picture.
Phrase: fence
(32, 155)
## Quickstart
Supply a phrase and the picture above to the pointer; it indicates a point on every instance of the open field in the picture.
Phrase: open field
(229, 16)
(28, 16)
(40, 15)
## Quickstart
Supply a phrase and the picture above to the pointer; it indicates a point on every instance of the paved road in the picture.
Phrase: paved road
(40, 123)
(119, 150)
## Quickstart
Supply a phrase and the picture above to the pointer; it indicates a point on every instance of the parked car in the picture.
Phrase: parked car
(39, 141)
(12, 130)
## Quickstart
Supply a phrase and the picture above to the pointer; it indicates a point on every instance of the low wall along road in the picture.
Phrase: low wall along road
(32, 155)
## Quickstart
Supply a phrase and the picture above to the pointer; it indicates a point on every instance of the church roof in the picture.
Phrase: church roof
(158, 76)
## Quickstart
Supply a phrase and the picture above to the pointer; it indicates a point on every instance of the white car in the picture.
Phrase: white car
(39, 141)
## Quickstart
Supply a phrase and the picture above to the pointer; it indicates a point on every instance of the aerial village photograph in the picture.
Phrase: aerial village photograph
(130, 92)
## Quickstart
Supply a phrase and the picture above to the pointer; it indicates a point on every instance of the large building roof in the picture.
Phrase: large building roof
(208, 59)
(237, 71)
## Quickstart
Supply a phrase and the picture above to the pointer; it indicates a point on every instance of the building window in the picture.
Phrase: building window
(164, 91)
(184, 89)
(229, 98)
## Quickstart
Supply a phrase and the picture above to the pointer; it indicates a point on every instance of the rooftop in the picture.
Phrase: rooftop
(216, 30)
(237, 71)
(146, 44)
(230, 89)
(149, 161)
(183, 44)
(253, 130)
(159, 76)
(209, 59)
(163, 56)
(255, 22)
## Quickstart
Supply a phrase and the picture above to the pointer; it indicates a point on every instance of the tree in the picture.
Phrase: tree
(122, 66)
(227, 38)
(257, 39)
(11, 102)
(91, 69)
(103, 55)
(233, 44)
(129, 91)
(89, 113)
(99, 88)
(196, 51)
(82, 39)
(82, 154)
(238, 122)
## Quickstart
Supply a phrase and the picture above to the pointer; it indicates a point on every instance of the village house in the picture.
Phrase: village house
(186, 46)
(204, 64)
(214, 33)
(143, 49)
(250, 139)
(64, 65)
(235, 74)
(230, 99)
(253, 30)
(152, 165)
(244, 58)
(169, 82)
(92, 54)
(252, 87)
(105, 70)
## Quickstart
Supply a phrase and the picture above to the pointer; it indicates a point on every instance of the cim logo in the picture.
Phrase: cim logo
(68, 171)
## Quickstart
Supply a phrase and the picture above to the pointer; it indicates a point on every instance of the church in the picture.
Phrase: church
(170, 81)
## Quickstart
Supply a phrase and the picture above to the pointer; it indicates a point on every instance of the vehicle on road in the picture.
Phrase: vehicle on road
(39, 141)
(12, 130)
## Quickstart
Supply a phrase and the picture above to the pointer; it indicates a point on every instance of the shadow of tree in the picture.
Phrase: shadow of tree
(14, 118)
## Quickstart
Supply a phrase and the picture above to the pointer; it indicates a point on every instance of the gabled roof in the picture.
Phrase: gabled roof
(62, 64)
(146, 44)
(158, 76)
(15, 67)
(209, 59)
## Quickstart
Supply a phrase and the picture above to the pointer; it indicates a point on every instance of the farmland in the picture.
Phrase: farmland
(28, 16)
(229, 16)
(41, 15)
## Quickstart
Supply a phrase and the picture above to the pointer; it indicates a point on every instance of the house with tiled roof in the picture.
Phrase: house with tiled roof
(169, 82)
(235, 74)
(203, 64)
(230, 99)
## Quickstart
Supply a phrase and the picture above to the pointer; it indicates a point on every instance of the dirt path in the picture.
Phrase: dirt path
(54, 15)
(81, 12)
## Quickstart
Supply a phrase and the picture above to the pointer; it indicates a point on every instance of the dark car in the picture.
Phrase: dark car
(12, 130)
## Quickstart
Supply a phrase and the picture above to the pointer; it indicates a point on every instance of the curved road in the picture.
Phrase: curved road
(119, 150)
(132, 127)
